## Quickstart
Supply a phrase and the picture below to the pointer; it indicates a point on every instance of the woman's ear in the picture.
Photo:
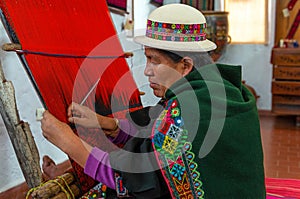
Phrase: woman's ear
(187, 65)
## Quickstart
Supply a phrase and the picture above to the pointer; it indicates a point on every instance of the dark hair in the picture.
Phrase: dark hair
(199, 58)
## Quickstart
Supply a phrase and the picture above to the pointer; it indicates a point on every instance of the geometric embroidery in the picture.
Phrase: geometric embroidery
(174, 132)
(169, 145)
(184, 189)
(178, 171)
(189, 156)
(164, 127)
(174, 104)
(99, 191)
(174, 153)
(121, 190)
(158, 140)
(163, 114)
(178, 121)
(175, 112)
(195, 174)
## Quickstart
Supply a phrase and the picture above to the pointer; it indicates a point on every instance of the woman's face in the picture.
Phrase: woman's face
(161, 71)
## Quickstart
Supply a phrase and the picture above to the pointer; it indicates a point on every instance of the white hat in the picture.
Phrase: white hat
(176, 27)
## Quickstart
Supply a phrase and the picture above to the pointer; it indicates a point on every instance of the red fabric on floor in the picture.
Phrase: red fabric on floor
(282, 188)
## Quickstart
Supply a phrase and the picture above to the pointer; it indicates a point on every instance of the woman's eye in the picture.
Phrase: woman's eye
(152, 60)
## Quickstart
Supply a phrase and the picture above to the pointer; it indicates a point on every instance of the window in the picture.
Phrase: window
(248, 21)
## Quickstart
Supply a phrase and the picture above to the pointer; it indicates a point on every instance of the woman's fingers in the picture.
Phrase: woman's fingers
(73, 109)
(82, 115)
(69, 110)
(76, 110)
(75, 120)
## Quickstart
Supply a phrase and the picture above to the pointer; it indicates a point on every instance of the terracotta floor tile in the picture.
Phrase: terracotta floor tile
(281, 144)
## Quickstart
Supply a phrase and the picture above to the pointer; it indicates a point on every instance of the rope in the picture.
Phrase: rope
(69, 55)
(69, 193)
(32, 190)
(69, 188)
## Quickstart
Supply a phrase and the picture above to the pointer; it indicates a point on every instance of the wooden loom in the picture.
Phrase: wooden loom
(66, 48)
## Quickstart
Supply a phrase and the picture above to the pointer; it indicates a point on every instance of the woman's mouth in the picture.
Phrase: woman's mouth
(153, 85)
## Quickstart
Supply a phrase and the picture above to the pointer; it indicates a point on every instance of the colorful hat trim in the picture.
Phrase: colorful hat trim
(176, 32)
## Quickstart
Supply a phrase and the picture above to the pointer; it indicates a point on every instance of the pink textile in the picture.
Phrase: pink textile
(121, 4)
(280, 188)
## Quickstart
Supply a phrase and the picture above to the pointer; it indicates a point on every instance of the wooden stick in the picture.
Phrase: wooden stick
(19, 134)
(33, 148)
(62, 195)
(89, 92)
(52, 187)
(28, 155)
(128, 54)
(11, 47)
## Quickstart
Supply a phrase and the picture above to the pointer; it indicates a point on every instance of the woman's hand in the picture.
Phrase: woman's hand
(62, 136)
(57, 132)
(83, 116)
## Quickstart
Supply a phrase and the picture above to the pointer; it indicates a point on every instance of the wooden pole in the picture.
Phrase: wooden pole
(62, 195)
(53, 187)
(19, 134)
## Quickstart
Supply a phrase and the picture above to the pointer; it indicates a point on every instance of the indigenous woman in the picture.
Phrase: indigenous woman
(202, 140)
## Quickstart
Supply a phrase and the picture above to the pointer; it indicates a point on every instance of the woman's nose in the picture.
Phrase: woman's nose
(148, 70)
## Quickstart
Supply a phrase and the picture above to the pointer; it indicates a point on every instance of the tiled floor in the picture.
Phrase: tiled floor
(281, 143)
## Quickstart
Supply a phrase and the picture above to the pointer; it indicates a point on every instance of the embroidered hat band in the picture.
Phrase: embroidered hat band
(176, 32)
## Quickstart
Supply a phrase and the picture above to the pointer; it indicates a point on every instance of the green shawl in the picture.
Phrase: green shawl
(221, 118)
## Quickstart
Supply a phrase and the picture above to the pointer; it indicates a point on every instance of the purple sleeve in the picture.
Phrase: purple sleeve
(127, 130)
(98, 167)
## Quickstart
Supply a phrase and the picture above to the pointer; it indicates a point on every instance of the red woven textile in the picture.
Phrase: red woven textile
(282, 188)
(75, 28)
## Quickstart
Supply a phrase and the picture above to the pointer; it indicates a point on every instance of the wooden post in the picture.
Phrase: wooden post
(19, 134)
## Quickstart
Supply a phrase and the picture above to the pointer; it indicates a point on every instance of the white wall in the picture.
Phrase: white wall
(255, 61)
(256, 68)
